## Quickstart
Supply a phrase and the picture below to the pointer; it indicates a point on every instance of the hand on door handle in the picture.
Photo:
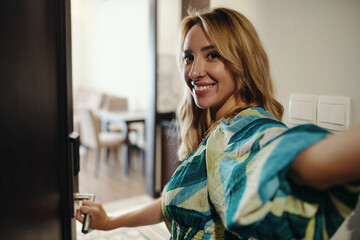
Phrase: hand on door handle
(87, 218)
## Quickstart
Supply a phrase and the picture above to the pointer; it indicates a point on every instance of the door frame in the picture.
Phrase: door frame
(65, 100)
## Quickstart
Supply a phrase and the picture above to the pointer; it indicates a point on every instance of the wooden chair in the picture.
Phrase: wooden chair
(135, 131)
(92, 138)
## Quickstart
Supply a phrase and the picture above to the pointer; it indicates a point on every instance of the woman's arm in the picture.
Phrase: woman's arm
(150, 214)
(330, 162)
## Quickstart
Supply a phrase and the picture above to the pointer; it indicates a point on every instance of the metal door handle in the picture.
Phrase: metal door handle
(87, 219)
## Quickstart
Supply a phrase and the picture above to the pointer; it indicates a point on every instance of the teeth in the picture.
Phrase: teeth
(201, 88)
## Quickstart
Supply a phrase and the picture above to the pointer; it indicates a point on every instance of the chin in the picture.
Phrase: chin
(202, 105)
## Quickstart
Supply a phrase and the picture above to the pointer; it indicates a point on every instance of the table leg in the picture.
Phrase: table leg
(125, 158)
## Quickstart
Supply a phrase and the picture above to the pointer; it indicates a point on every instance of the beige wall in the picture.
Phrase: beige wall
(313, 46)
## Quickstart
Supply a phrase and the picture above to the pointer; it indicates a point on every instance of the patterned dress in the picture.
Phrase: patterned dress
(234, 185)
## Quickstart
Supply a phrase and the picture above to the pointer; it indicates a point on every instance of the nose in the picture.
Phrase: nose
(197, 69)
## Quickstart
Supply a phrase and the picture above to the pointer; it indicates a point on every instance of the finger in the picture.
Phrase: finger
(79, 217)
(85, 209)
(86, 202)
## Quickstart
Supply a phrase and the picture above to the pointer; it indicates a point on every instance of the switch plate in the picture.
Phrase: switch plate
(302, 108)
(333, 113)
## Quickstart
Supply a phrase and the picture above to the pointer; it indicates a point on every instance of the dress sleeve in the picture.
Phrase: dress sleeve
(164, 212)
(249, 189)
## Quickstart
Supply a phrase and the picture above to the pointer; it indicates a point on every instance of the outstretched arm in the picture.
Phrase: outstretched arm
(150, 214)
(330, 162)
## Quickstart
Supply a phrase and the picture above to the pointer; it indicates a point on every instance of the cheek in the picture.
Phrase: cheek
(229, 84)
(218, 71)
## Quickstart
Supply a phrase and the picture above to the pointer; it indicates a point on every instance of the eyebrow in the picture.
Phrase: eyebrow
(202, 49)
(208, 47)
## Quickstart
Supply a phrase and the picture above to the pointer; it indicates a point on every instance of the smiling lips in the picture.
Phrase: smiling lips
(202, 89)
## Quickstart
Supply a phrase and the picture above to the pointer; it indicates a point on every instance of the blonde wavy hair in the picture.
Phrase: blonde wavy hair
(238, 43)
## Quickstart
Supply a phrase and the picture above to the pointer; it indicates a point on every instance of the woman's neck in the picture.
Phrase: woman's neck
(227, 108)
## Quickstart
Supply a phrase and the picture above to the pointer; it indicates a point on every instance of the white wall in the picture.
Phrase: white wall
(110, 47)
(313, 46)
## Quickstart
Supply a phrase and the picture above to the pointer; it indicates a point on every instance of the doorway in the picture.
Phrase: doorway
(110, 56)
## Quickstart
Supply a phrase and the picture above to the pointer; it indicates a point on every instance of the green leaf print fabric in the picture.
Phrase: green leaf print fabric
(234, 185)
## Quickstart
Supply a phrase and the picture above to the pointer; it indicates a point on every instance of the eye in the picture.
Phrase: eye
(188, 58)
(213, 55)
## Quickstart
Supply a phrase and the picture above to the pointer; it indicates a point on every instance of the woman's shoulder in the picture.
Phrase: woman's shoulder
(255, 113)
(254, 117)
(247, 126)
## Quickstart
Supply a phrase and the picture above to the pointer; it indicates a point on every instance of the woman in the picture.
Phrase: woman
(244, 173)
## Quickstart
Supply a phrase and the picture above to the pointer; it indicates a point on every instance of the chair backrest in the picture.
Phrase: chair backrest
(112, 103)
(89, 128)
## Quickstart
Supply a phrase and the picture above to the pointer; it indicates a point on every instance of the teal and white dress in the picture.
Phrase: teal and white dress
(234, 185)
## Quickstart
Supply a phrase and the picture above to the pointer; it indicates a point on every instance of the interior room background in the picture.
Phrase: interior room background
(313, 47)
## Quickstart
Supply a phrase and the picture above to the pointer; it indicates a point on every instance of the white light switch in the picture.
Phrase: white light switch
(333, 113)
(302, 108)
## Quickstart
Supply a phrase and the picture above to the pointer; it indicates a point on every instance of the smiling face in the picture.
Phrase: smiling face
(211, 83)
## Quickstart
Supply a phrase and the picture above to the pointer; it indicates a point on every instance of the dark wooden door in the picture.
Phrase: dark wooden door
(36, 168)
